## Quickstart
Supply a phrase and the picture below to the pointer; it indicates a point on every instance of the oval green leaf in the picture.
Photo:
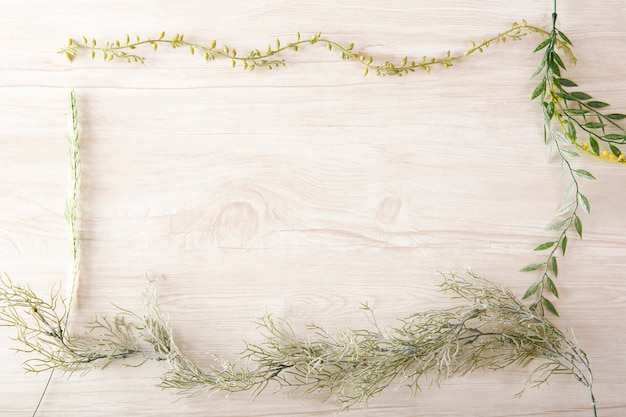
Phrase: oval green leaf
(616, 151)
(542, 45)
(576, 111)
(584, 174)
(533, 267)
(549, 306)
(578, 225)
(594, 145)
(557, 225)
(584, 202)
(552, 287)
(597, 104)
(531, 290)
(545, 246)
(564, 208)
(594, 125)
(565, 38)
(539, 90)
(567, 83)
(558, 61)
(614, 137)
(570, 153)
(579, 95)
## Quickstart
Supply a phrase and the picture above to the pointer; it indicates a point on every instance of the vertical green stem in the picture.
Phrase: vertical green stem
(71, 206)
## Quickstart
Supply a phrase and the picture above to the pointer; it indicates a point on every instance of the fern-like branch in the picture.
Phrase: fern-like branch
(490, 329)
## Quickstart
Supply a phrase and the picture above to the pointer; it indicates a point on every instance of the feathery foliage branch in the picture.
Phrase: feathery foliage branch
(71, 205)
(491, 329)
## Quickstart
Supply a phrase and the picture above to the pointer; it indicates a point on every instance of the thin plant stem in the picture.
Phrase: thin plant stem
(71, 207)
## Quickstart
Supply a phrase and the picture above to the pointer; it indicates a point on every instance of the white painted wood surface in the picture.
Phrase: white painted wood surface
(303, 191)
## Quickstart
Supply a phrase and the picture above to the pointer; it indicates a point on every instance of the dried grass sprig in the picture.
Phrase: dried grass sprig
(71, 205)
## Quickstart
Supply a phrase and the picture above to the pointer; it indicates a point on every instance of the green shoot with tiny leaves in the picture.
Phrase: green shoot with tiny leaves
(269, 57)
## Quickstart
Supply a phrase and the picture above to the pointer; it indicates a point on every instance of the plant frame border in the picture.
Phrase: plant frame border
(580, 199)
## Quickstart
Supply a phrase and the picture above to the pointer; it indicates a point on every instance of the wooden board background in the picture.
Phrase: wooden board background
(303, 191)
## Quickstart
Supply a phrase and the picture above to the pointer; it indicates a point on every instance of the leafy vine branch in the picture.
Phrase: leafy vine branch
(269, 57)
(572, 120)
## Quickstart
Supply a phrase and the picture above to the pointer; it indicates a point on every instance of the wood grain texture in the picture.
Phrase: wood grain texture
(303, 191)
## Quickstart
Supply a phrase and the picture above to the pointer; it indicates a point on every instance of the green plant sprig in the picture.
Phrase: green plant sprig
(268, 58)
(579, 115)
(71, 205)
(568, 213)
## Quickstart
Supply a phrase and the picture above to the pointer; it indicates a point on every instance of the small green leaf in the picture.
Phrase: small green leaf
(567, 83)
(568, 192)
(578, 226)
(594, 145)
(614, 137)
(558, 60)
(594, 125)
(565, 38)
(576, 112)
(552, 287)
(539, 90)
(584, 202)
(584, 174)
(539, 68)
(533, 267)
(531, 290)
(554, 266)
(565, 208)
(616, 116)
(564, 244)
(579, 95)
(571, 153)
(571, 130)
(554, 66)
(565, 96)
(557, 225)
(542, 45)
(548, 109)
(545, 246)
(549, 306)
(560, 136)
(616, 151)
(597, 104)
